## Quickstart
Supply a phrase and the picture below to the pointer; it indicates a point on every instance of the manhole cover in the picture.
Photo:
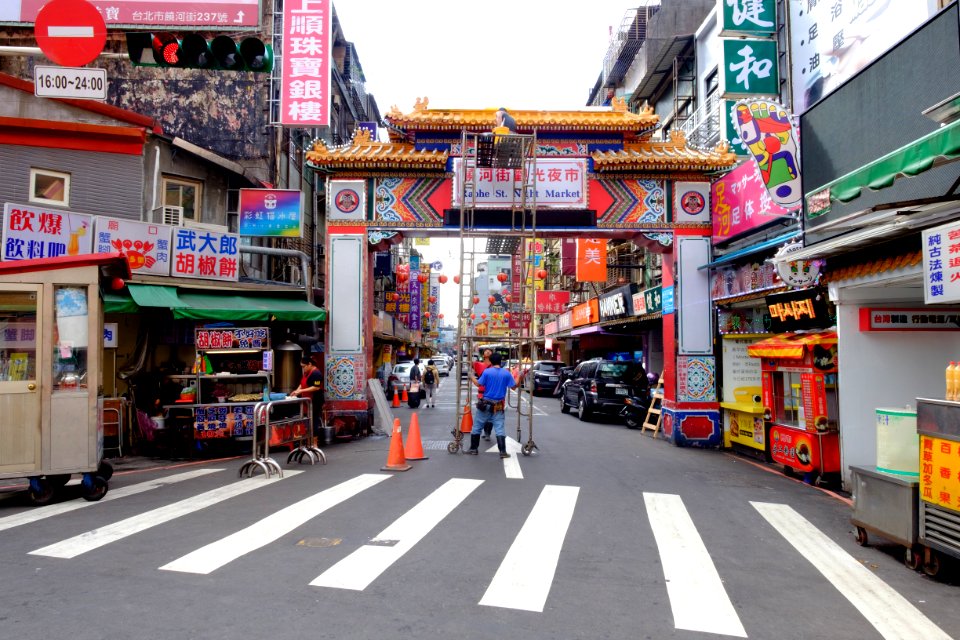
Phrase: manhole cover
(319, 542)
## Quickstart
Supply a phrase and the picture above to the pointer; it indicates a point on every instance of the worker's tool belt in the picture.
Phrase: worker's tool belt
(490, 405)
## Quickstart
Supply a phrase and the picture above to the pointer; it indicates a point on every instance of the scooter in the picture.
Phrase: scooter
(634, 412)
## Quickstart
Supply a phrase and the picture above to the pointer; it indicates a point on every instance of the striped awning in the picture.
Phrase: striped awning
(790, 345)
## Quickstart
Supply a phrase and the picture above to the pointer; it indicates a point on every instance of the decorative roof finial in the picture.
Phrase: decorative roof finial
(619, 104)
(422, 104)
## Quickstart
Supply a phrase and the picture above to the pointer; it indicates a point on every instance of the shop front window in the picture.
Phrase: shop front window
(71, 338)
(18, 336)
(787, 399)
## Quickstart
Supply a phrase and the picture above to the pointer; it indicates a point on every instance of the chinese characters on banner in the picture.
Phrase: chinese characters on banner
(591, 260)
(225, 15)
(749, 68)
(252, 338)
(305, 73)
(30, 233)
(940, 471)
(414, 284)
(740, 202)
(147, 246)
(205, 254)
(552, 301)
(941, 264)
(747, 17)
(558, 182)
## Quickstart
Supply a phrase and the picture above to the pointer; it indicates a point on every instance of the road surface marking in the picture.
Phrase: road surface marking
(364, 565)
(688, 570)
(216, 554)
(525, 576)
(891, 614)
(96, 538)
(511, 465)
(39, 513)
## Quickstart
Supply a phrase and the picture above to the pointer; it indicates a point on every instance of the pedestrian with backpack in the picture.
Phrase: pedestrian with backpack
(431, 378)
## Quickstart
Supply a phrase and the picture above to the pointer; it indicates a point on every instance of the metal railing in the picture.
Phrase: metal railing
(702, 128)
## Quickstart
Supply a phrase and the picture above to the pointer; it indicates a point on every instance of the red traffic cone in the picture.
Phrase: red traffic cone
(413, 449)
(466, 423)
(405, 398)
(396, 399)
(395, 459)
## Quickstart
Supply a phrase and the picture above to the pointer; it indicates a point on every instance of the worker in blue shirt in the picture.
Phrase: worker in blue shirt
(496, 382)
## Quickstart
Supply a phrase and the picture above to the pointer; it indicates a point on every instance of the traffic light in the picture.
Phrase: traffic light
(193, 51)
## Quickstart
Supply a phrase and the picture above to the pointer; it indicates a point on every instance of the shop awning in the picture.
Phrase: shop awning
(924, 153)
(790, 345)
(149, 295)
(235, 308)
(748, 251)
(119, 303)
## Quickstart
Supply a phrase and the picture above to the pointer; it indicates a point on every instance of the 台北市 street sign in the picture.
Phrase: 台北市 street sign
(70, 82)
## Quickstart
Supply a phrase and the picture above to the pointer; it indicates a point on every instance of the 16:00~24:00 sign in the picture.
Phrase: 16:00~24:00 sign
(68, 82)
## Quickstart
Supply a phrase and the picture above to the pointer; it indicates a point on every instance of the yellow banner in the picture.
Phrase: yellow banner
(940, 472)
(421, 242)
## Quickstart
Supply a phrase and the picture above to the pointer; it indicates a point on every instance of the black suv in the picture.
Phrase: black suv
(600, 387)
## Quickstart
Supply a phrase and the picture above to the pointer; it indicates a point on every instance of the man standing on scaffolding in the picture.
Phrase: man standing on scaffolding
(496, 383)
(504, 119)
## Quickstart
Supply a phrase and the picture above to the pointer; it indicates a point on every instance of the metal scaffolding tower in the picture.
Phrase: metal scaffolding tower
(513, 158)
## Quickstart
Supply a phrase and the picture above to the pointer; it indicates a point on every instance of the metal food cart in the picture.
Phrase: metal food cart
(51, 328)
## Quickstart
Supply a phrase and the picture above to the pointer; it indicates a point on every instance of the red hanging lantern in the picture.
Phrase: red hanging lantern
(473, 316)
(491, 299)
(422, 278)
(426, 314)
(442, 279)
(483, 316)
(476, 299)
(542, 274)
(432, 299)
(402, 277)
(456, 279)
(440, 316)
(506, 315)
(502, 277)
(117, 283)
(506, 297)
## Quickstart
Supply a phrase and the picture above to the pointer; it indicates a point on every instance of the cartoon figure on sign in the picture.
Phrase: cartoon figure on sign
(765, 130)
(136, 252)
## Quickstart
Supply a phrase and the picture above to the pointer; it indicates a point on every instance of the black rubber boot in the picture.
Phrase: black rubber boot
(474, 445)
(502, 445)
(487, 430)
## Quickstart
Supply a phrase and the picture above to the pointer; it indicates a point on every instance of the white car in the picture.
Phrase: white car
(443, 367)
(402, 371)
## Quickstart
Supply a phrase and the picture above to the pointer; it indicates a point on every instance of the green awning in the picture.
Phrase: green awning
(918, 156)
(149, 295)
(208, 306)
(119, 303)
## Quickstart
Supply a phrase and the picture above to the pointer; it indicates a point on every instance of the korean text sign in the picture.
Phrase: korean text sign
(941, 263)
(305, 74)
(31, 232)
(147, 246)
(270, 213)
(205, 254)
(740, 202)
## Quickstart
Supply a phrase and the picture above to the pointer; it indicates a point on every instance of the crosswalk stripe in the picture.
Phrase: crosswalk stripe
(40, 513)
(216, 554)
(72, 547)
(525, 576)
(893, 616)
(364, 565)
(690, 574)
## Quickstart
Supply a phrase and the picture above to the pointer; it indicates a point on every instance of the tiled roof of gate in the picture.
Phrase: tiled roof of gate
(364, 153)
(672, 154)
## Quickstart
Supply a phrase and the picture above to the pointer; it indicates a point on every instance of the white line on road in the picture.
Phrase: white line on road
(364, 565)
(216, 554)
(39, 513)
(525, 576)
(893, 616)
(101, 536)
(511, 465)
(697, 597)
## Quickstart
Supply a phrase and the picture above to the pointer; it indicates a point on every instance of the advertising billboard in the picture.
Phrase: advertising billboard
(212, 15)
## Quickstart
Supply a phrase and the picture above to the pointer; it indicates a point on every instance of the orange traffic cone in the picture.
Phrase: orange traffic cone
(396, 399)
(413, 449)
(405, 398)
(395, 459)
(466, 423)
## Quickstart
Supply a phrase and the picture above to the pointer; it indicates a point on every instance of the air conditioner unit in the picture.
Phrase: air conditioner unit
(168, 214)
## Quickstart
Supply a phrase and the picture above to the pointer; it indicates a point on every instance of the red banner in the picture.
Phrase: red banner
(591, 260)
(739, 202)
(552, 301)
(305, 75)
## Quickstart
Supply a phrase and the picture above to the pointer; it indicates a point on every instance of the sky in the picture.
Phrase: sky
(519, 54)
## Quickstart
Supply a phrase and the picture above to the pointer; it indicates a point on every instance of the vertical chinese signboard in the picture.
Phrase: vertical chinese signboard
(31, 232)
(147, 246)
(941, 264)
(205, 254)
(749, 68)
(747, 17)
(414, 284)
(305, 73)
(591, 260)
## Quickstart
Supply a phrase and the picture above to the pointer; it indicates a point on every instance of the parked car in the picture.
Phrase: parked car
(443, 367)
(402, 371)
(544, 375)
(600, 387)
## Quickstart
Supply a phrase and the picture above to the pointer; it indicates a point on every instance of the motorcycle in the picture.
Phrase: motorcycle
(634, 412)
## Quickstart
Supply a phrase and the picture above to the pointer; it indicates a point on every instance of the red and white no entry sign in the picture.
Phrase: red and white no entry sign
(70, 32)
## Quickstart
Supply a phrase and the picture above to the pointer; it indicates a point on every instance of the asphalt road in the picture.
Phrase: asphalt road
(602, 533)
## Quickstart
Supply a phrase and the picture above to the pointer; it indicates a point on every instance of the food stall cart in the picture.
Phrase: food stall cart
(51, 327)
(938, 424)
(233, 371)
(800, 405)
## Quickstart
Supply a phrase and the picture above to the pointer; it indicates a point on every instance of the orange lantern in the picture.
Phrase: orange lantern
(476, 299)
(483, 316)
(442, 279)
(502, 277)
(426, 314)
(473, 316)
(456, 279)
(506, 315)
(491, 299)
(422, 278)
(440, 316)
(432, 299)
(402, 277)
(542, 274)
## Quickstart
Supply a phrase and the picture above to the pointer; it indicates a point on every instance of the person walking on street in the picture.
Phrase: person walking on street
(431, 378)
(478, 369)
(496, 382)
